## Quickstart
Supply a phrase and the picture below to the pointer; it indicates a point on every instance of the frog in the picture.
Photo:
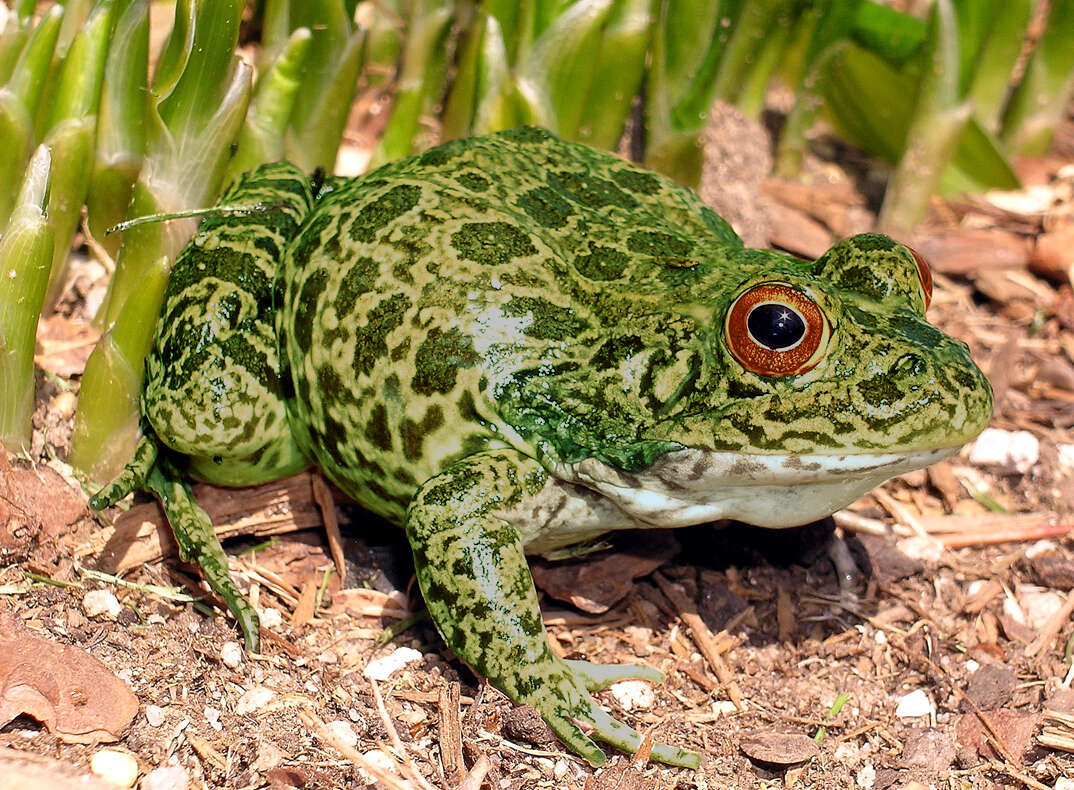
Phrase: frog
(512, 345)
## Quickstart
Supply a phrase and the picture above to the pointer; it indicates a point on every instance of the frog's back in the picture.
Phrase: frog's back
(414, 292)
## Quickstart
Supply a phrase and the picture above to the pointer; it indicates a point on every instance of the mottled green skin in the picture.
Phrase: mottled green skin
(467, 334)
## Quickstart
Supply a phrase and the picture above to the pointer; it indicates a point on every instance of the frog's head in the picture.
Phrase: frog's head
(824, 380)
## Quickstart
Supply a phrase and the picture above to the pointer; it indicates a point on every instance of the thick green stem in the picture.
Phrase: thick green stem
(25, 257)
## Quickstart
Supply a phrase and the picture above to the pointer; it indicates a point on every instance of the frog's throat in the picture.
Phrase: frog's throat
(692, 486)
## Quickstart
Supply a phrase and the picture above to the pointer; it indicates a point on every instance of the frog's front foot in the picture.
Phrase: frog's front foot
(472, 571)
(565, 701)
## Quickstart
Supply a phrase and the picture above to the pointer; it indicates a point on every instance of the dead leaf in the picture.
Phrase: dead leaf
(778, 748)
(65, 688)
(1014, 727)
(596, 584)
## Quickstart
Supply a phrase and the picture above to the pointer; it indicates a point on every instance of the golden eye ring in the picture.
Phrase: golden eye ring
(774, 329)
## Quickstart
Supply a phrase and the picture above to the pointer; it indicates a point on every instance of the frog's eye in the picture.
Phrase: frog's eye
(776, 330)
(924, 273)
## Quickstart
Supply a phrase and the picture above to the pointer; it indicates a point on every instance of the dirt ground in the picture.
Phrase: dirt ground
(949, 668)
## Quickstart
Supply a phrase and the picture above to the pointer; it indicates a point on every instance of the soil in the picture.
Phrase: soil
(949, 665)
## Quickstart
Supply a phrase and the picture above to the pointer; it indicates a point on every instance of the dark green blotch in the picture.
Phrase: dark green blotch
(473, 180)
(307, 310)
(720, 226)
(527, 134)
(602, 263)
(549, 321)
(331, 387)
(442, 154)
(637, 181)
(309, 240)
(381, 212)
(590, 190)
(360, 278)
(370, 340)
(491, 243)
(546, 207)
(376, 430)
(736, 388)
(414, 433)
(873, 242)
(438, 359)
(616, 350)
(658, 244)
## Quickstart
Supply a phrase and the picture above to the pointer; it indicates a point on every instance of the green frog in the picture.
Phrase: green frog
(512, 344)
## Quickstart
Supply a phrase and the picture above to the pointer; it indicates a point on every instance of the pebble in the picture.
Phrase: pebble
(268, 756)
(170, 777)
(1010, 451)
(866, 776)
(921, 547)
(1062, 783)
(154, 715)
(633, 694)
(101, 602)
(212, 716)
(115, 766)
(231, 654)
(343, 732)
(65, 403)
(270, 617)
(1066, 458)
(254, 699)
(1038, 604)
(384, 668)
(914, 704)
(380, 760)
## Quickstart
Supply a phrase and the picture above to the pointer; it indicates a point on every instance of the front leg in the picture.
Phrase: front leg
(472, 570)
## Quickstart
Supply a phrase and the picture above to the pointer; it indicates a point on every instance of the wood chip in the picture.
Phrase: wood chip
(451, 733)
(778, 748)
(707, 643)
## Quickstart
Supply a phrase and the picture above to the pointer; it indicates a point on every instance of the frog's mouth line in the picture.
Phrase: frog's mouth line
(692, 486)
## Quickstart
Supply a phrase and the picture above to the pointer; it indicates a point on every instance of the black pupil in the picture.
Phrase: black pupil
(775, 326)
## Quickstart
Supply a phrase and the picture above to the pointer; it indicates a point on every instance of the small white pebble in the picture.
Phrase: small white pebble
(1040, 548)
(101, 602)
(633, 694)
(866, 777)
(254, 699)
(231, 654)
(212, 716)
(1010, 451)
(65, 404)
(724, 707)
(381, 760)
(270, 617)
(972, 666)
(1039, 604)
(880, 638)
(269, 755)
(154, 715)
(343, 732)
(1066, 458)
(560, 769)
(384, 668)
(914, 704)
(1063, 783)
(115, 766)
(170, 777)
(921, 547)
